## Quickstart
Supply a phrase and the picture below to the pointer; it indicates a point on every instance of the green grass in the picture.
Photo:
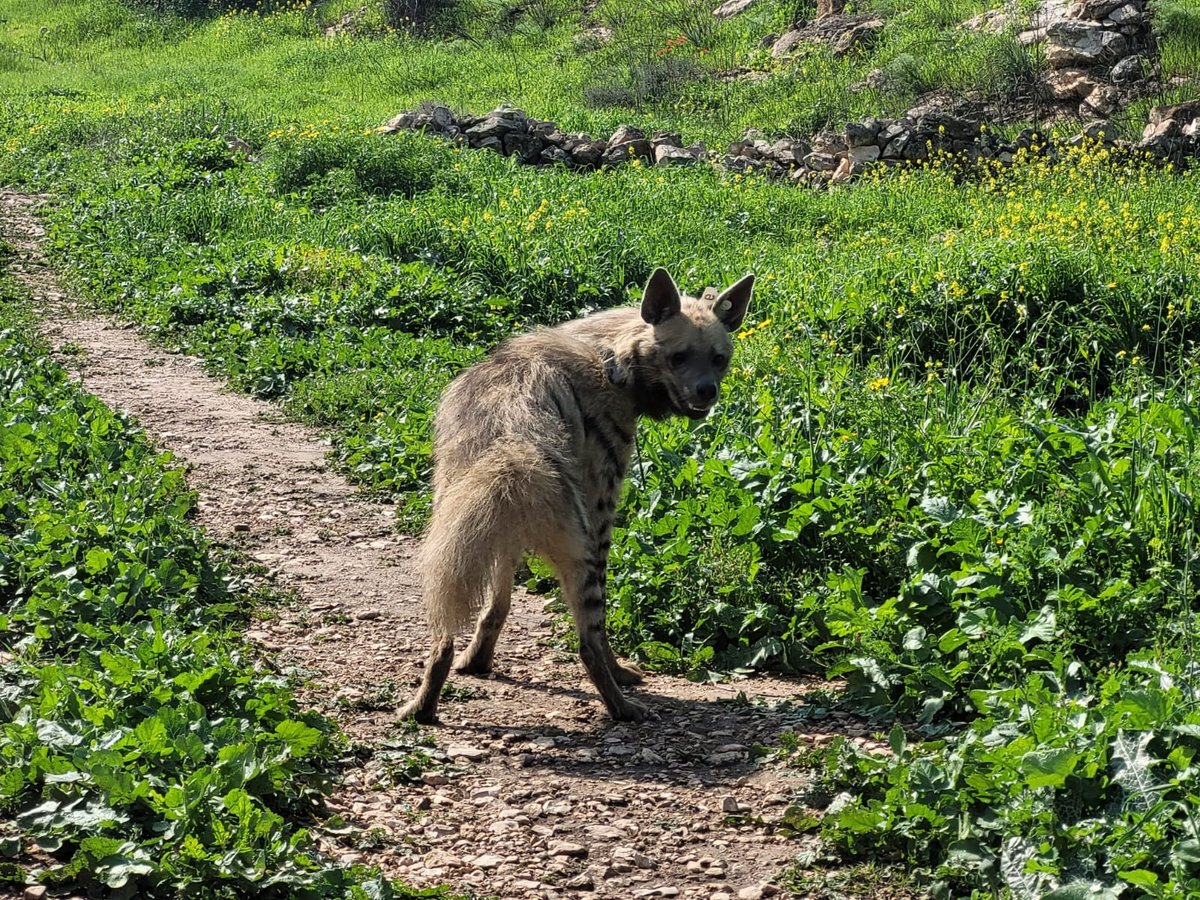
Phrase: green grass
(279, 66)
(142, 748)
(955, 463)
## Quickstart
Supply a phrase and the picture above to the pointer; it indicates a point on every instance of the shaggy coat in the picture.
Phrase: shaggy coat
(530, 453)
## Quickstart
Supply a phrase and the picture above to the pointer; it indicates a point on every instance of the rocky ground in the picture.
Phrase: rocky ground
(526, 789)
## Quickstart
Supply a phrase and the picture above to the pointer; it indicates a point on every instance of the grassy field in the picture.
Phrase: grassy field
(957, 461)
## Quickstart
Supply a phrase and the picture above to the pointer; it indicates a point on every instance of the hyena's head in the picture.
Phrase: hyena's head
(678, 370)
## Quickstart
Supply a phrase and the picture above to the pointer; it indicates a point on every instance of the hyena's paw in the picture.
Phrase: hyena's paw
(418, 713)
(473, 664)
(632, 711)
(627, 675)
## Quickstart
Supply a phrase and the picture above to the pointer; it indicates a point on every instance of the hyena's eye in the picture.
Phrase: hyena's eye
(677, 359)
(720, 360)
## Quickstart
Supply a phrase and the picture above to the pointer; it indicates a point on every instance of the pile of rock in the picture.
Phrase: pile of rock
(843, 34)
(1098, 54)
(511, 132)
(1173, 134)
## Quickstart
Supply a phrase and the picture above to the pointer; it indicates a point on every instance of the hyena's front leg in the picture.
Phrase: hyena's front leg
(584, 593)
(627, 675)
(477, 658)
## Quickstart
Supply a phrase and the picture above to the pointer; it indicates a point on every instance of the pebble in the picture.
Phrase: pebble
(463, 751)
(566, 848)
(605, 832)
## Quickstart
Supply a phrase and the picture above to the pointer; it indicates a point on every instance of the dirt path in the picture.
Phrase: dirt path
(533, 792)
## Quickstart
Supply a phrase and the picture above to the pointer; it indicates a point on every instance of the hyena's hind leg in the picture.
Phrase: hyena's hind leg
(423, 707)
(477, 658)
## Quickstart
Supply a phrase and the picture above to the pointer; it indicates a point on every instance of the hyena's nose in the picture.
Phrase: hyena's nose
(706, 392)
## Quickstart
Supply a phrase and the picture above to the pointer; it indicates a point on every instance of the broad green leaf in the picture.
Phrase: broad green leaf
(1048, 768)
(299, 737)
(1140, 877)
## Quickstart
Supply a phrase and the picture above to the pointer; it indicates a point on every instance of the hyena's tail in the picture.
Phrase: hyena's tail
(477, 524)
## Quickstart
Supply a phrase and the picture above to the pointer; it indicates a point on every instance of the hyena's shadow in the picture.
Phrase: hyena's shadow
(718, 739)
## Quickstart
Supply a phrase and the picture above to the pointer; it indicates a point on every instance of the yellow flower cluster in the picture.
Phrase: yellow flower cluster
(754, 329)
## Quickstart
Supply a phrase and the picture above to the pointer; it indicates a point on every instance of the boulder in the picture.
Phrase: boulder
(1103, 100)
(1069, 84)
(1082, 45)
(788, 152)
(1128, 71)
(587, 153)
(864, 154)
(523, 145)
(732, 7)
(948, 127)
(670, 155)
(860, 134)
(494, 125)
(787, 43)
(555, 155)
(821, 162)
(1180, 113)
(861, 37)
(1093, 10)
(625, 134)
(1126, 15)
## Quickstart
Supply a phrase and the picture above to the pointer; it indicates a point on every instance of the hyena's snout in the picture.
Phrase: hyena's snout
(700, 396)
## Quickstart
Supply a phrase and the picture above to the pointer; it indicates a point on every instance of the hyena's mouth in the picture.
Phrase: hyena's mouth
(697, 412)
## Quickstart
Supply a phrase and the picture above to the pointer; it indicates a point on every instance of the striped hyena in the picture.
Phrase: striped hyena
(530, 453)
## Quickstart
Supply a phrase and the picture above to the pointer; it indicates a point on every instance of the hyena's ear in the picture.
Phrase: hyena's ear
(661, 298)
(730, 305)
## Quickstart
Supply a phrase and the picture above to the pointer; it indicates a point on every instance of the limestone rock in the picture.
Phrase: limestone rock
(787, 43)
(731, 8)
(1082, 44)
(861, 37)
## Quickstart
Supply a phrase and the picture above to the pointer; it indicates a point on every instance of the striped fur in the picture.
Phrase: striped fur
(530, 453)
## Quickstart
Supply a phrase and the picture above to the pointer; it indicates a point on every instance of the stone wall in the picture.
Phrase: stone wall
(1173, 134)
(1098, 54)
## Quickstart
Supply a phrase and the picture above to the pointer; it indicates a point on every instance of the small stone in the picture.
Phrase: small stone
(35, 892)
(463, 751)
(731, 806)
(237, 526)
(368, 615)
(566, 848)
(582, 882)
(605, 832)
(487, 861)
(433, 779)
